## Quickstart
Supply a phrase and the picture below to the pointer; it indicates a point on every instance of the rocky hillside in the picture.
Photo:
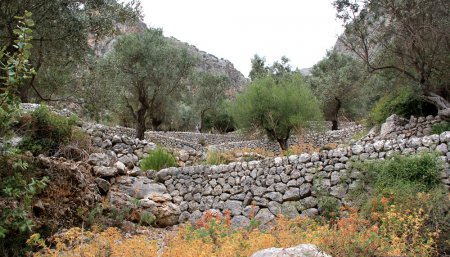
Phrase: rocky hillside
(210, 63)
(207, 62)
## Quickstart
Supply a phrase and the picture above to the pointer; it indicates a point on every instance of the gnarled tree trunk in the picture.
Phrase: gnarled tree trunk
(440, 102)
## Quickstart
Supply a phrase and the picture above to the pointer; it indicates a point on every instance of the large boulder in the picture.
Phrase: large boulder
(391, 124)
(302, 250)
(147, 195)
(99, 159)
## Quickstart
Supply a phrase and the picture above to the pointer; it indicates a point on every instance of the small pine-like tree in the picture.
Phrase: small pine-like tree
(277, 107)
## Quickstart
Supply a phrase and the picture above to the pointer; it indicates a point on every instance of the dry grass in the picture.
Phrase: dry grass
(387, 232)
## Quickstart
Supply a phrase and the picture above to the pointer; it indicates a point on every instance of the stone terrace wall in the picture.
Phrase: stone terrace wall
(171, 142)
(340, 136)
(208, 138)
(397, 127)
(289, 185)
(106, 131)
(191, 141)
(266, 144)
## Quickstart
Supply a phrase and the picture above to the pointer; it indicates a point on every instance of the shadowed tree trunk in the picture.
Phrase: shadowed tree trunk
(140, 123)
(334, 121)
(156, 122)
(140, 115)
(283, 142)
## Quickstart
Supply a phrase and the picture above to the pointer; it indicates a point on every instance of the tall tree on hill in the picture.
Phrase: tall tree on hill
(277, 70)
(410, 37)
(151, 73)
(61, 35)
(259, 68)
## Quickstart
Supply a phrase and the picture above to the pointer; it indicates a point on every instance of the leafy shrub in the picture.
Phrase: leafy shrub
(47, 131)
(158, 159)
(422, 171)
(277, 107)
(329, 207)
(441, 127)
(8, 117)
(404, 102)
(18, 187)
(408, 183)
(220, 121)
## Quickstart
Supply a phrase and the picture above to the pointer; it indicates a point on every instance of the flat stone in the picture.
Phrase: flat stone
(99, 159)
(234, 206)
(105, 171)
(292, 194)
(274, 196)
(302, 250)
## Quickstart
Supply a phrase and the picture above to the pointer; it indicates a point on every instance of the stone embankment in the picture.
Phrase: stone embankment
(288, 185)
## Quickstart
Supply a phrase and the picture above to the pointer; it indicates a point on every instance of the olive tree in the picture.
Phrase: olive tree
(209, 93)
(336, 81)
(409, 37)
(64, 33)
(150, 73)
(277, 107)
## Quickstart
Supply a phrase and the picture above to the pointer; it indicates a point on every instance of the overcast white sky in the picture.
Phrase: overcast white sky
(237, 29)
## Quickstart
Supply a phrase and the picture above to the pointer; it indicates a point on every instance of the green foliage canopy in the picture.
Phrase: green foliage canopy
(277, 108)
(63, 35)
(150, 74)
(336, 81)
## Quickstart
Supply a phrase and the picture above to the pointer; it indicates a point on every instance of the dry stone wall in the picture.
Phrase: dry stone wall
(288, 185)
(198, 143)
(397, 127)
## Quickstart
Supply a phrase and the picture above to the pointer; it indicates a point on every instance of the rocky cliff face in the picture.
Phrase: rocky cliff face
(206, 61)
(212, 64)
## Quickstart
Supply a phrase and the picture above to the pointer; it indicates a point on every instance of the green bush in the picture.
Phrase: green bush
(219, 121)
(400, 181)
(404, 102)
(158, 159)
(329, 207)
(422, 171)
(277, 107)
(441, 127)
(46, 131)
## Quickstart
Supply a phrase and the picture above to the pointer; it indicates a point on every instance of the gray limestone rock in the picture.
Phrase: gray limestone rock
(274, 207)
(105, 172)
(234, 206)
(442, 148)
(289, 209)
(103, 185)
(99, 159)
(264, 216)
(274, 196)
(302, 250)
(240, 222)
(292, 194)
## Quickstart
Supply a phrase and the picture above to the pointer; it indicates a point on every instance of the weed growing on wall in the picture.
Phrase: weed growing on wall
(158, 159)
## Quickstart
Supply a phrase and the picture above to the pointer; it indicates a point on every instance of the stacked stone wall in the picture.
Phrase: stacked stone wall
(288, 185)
